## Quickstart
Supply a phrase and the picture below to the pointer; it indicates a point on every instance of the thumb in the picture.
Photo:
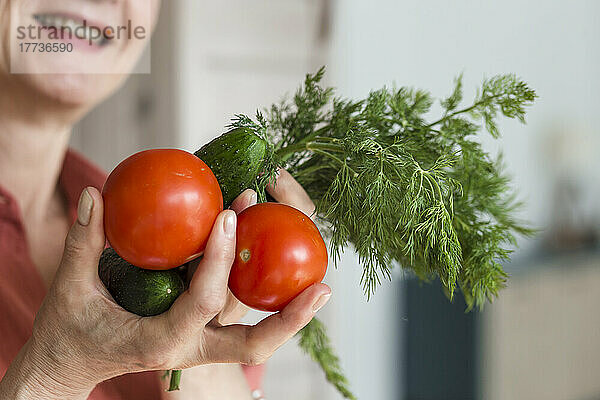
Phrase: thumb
(85, 241)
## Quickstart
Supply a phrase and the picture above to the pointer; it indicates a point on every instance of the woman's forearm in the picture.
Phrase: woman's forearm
(32, 377)
(213, 381)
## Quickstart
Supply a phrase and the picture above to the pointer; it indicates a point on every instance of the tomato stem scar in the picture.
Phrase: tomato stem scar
(245, 255)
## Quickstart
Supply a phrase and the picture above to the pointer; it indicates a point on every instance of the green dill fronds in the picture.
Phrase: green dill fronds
(314, 342)
(401, 190)
(503, 93)
(454, 100)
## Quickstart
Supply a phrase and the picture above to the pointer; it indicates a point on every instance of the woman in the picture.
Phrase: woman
(80, 339)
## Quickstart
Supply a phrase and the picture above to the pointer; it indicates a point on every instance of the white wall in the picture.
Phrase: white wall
(239, 56)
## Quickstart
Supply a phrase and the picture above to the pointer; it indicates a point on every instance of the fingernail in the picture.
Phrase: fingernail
(229, 223)
(249, 195)
(321, 301)
(84, 208)
(253, 197)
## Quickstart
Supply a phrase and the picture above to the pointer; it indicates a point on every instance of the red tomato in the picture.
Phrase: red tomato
(159, 207)
(279, 253)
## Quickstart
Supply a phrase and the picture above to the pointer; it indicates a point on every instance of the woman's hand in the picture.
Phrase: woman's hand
(220, 381)
(81, 337)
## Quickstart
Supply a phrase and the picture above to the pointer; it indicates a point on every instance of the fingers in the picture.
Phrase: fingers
(207, 292)
(288, 191)
(208, 295)
(244, 200)
(234, 310)
(85, 241)
(253, 345)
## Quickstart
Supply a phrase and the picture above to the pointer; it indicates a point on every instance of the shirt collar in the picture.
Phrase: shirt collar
(77, 173)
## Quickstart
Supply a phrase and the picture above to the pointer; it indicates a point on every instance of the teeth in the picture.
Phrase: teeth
(71, 24)
(78, 30)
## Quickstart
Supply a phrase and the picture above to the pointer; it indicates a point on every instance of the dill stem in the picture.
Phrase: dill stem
(325, 149)
(444, 118)
(326, 154)
(314, 134)
(464, 110)
(310, 170)
(285, 153)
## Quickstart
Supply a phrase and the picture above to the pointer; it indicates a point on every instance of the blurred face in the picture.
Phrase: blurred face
(75, 52)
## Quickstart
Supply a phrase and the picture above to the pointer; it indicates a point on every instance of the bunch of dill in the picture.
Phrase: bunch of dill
(402, 190)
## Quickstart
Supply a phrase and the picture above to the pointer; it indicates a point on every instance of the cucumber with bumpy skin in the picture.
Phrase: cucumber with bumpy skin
(140, 291)
(236, 158)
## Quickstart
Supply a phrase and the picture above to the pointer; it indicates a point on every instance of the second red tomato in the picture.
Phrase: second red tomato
(159, 207)
(279, 253)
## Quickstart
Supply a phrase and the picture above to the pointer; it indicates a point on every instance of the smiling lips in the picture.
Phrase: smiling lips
(74, 28)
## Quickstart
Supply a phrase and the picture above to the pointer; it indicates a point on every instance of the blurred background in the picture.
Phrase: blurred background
(541, 338)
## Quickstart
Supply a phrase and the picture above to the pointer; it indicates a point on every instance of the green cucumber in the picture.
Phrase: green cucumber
(236, 158)
(140, 291)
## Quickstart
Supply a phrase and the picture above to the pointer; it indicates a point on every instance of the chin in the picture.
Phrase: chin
(82, 50)
(79, 90)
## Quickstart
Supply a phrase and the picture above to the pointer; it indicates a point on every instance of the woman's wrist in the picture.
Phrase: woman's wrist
(35, 375)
